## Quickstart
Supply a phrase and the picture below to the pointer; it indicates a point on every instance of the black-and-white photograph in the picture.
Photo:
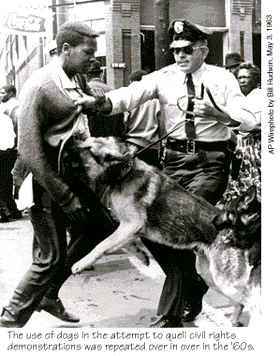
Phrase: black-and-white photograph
(131, 170)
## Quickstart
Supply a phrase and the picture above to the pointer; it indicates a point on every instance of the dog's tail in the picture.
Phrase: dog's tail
(137, 248)
(254, 303)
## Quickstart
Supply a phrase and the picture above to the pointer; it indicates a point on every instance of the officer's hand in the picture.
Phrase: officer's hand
(256, 130)
(97, 92)
(202, 108)
(87, 101)
(75, 210)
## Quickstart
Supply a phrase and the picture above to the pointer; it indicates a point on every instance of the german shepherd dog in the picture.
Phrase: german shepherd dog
(149, 204)
(232, 263)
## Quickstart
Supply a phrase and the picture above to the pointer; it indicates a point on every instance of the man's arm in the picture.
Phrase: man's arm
(123, 99)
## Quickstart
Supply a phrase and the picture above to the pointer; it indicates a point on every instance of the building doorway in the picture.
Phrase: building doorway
(147, 50)
(215, 44)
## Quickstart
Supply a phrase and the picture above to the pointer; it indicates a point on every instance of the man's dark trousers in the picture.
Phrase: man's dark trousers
(52, 263)
(204, 174)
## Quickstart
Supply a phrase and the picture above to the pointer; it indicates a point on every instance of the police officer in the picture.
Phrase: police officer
(197, 153)
(100, 125)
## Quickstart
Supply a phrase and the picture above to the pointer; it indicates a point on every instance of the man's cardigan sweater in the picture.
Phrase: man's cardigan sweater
(45, 111)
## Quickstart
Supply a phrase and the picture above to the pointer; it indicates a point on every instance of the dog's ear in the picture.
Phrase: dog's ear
(246, 199)
(224, 220)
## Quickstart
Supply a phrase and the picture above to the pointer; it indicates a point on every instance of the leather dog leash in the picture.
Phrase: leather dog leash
(212, 100)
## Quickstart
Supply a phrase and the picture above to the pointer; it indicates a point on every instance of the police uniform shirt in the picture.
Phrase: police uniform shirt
(168, 84)
(255, 99)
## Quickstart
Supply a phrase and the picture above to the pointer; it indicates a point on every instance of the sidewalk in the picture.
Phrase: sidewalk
(119, 292)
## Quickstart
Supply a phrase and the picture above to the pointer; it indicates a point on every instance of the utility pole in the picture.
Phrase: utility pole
(54, 14)
(162, 56)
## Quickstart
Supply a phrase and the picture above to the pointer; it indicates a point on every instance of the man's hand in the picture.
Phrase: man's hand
(87, 101)
(75, 210)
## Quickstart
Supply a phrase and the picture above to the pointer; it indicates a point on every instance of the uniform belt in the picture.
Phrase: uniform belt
(192, 147)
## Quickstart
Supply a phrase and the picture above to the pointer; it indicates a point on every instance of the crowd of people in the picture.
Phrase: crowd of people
(8, 153)
(206, 110)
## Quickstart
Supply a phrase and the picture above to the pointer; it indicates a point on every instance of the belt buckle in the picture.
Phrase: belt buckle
(78, 137)
(190, 147)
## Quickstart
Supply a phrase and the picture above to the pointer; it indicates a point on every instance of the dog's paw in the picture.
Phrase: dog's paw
(76, 269)
(79, 267)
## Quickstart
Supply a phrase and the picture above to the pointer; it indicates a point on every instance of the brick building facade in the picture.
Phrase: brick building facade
(126, 28)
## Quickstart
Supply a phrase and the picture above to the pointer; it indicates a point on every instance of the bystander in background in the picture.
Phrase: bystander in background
(232, 62)
(101, 125)
(143, 126)
(8, 109)
(8, 208)
(248, 149)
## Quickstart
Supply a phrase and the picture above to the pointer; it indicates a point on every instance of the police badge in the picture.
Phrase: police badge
(184, 33)
(178, 27)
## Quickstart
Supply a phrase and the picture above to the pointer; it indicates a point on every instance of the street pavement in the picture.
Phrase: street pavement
(118, 293)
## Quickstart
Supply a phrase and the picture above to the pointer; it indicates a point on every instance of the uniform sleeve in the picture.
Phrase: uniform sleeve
(136, 94)
(237, 107)
(255, 100)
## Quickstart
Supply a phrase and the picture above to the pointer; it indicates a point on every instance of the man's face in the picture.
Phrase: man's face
(78, 58)
(4, 96)
(246, 81)
(189, 63)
